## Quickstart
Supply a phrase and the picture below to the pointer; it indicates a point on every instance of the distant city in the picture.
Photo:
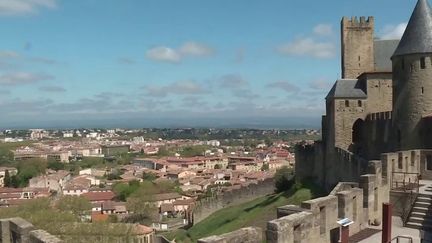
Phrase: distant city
(175, 122)
(160, 178)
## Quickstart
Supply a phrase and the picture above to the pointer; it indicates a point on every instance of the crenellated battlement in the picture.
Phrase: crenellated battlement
(384, 116)
(354, 21)
(349, 156)
(316, 220)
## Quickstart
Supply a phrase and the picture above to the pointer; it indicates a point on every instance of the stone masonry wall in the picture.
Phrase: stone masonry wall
(17, 230)
(378, 131)
(315, 220)
(357, 46)
(310, 162)
(245, 235)
(345, 117)
(207, 206)
(412, 98)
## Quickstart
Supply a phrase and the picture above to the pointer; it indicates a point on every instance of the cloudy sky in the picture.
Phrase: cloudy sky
(132, 61)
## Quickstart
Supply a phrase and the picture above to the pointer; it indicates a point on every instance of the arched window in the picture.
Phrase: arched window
(347, 103)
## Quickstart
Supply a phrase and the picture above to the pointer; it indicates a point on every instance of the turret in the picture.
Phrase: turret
(412, 79)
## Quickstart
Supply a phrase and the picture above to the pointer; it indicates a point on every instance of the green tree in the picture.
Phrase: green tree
(284, 179)
(7, 179)
(55, 165)
(74, 204)
(123, 190)
(28, 169)
(14, 181)
(148, 176)
(163, 151)
(265, 167)
(191, 151)
(268, 142)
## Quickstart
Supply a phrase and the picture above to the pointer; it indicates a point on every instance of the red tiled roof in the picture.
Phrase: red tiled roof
(140, 229)
(166, 196)
(184, 202)
(98, 217)
(10, 190)
(10, 196)
(166, 207)
(99, 196)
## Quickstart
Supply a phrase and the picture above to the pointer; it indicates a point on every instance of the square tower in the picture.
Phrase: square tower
(357, 42)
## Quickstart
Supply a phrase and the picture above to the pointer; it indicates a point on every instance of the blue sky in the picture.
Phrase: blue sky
(82, 61)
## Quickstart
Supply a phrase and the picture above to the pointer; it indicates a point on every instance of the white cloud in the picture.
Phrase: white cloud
(391, 32)
(164, 54)
(23, 78)
(308, 47)
(186, 87)
(195, 49)
(320, 84)
(233, 81)
(8, 54)
(323, 30)
(284, 85)
(4, 92)
(24, 7)
(175, 55)
(53, 89)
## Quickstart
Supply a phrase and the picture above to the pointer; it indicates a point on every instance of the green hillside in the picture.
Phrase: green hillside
(254, 213)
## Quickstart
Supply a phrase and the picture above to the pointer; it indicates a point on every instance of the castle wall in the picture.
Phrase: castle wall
(345, 166)
(344, 117)
(357, 46)
(412, 100)
(379, 88)
(378, 128)
(315, 220)
(310, 161)
(245, 235)
(19, 230)
(425, 158)
(405, 166)
(205, 207)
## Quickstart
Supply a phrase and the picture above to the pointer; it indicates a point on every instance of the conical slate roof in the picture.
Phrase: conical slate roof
(418, 34)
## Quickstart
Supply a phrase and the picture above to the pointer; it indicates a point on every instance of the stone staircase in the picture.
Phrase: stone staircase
(421, 214)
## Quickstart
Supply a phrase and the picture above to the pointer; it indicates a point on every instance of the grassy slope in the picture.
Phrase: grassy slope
(254, 213)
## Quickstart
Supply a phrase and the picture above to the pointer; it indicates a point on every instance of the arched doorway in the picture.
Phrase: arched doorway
(357, 132)
(357, 142)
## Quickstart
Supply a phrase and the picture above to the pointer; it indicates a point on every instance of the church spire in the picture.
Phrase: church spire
(417, 37)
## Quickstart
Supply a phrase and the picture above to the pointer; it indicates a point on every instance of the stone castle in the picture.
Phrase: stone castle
(376, 139)
(381, 108)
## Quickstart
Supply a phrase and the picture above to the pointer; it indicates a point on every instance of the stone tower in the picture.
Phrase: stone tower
(412, 79)
(357, 43)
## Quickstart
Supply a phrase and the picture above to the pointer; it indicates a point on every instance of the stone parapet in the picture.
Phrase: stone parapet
(18, 230)
(245, 235)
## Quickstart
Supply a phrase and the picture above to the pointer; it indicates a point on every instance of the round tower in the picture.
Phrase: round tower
(412, 79)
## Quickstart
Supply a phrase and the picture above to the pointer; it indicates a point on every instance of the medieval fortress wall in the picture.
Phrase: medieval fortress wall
(205, 207)
(315, 220)
(18, 230)
(376, 134)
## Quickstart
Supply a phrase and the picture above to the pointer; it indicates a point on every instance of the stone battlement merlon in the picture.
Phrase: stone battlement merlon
(19, 230)
(354, 21)
(385, 116)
